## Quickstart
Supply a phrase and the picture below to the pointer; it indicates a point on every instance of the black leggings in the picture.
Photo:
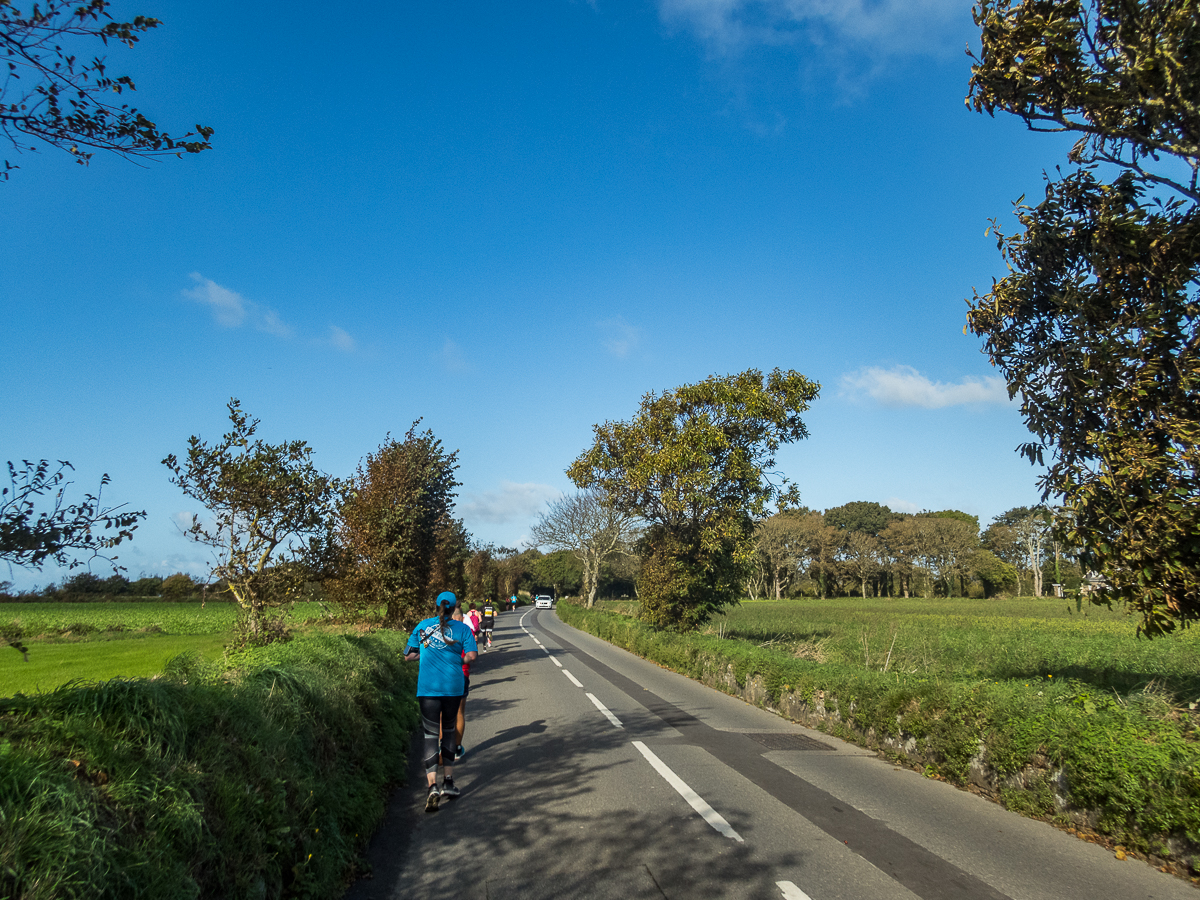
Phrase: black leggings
(443, 711)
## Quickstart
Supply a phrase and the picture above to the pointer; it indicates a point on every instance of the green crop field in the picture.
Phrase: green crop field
(97, 641)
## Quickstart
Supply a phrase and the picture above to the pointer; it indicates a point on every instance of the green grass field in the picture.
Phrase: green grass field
(98, 641)
(1020, 639)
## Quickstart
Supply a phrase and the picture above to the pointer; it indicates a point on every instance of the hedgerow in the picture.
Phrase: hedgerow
(1125, 766)
(261, 777)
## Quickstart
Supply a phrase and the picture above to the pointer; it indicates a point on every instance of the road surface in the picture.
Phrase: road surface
(591, 773)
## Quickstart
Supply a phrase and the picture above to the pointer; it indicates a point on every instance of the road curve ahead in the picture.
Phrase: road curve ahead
(591, 773)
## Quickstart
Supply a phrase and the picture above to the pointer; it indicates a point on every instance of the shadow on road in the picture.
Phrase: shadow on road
(534, 820)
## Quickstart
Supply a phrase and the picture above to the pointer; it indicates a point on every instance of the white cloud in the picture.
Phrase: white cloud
(232, 310)
(342, 340)
(905, 386)
(621, 338)
(907, 27)
(513, 502)
(895, 504)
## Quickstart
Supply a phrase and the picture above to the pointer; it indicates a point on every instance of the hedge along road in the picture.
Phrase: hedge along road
(591, 773)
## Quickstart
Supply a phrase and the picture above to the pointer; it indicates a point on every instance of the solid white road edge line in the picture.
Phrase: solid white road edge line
(554, 660)
(791, 892)
(604, 709)
(575, 681)
(710, 815)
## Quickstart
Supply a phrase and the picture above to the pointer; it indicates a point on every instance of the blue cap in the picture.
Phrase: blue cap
(447, 599)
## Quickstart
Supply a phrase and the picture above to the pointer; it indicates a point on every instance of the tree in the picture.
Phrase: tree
(995, 574)
(862, 557)
(178, 587)
(1002, 540)
(1096, 324)
(268, 503)
(51, 94)
(449, 568)
(860, 515)
(1033, 532)
(389, 525)
(782, 544)
(592, 528)
(949, 544)
(30, 536)
(695, 463)
(560, 571)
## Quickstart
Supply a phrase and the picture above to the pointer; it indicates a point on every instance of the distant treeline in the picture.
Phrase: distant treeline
(86, 587)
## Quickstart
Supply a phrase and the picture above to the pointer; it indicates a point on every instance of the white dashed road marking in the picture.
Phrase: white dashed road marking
(791, 892)
(604, 709)
(575, 681)
(555, 660)
(710, 815)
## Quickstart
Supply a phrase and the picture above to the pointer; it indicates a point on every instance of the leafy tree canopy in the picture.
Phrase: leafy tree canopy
(37, 524)
(267, 503)
(860, 515)
(1095, 327)
(54, 91)
(696, 463)
(957, 515)
(389, 525)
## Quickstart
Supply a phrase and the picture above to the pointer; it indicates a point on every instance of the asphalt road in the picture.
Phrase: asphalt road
(591, 773)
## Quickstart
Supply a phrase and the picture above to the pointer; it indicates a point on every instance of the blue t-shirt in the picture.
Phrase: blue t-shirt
(441, 673)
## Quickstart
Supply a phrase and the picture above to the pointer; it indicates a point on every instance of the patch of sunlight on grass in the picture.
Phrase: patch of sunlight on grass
(53, 664)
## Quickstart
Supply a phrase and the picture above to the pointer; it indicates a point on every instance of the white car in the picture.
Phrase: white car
(543, 602)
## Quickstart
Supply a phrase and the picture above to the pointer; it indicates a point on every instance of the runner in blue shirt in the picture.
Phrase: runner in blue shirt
(443, 645)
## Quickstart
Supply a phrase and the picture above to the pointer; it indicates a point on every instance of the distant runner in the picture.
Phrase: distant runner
(514, 602)
(488, 622)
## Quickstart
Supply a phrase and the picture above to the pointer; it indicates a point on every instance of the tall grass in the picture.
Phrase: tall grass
(259, 778)
(998, 640)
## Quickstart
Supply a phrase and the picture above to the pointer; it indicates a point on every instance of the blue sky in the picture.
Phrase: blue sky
(513, 220)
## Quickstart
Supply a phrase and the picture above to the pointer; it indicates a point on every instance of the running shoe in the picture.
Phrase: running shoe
(462, 751)
(431, 800)
(448, 788)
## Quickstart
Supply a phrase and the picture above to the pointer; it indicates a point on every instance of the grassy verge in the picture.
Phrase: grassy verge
(258, 777)
(1126, 765)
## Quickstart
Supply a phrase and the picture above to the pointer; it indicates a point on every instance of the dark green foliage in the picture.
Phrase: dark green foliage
(559, 573)
(683, 582)
(957, 515)
(260, 780)
(997, 575)
(1097, 324)
(861, 515)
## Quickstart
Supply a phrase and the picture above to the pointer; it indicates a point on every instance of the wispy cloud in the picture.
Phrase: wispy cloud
(890, 27)
(895, 504)
(512, 503)
(905, 386)
(453, 358)
(620, 338)
(342, 340)
(232, 310)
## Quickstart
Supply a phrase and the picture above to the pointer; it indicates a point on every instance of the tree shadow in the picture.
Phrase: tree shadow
(533, 822)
